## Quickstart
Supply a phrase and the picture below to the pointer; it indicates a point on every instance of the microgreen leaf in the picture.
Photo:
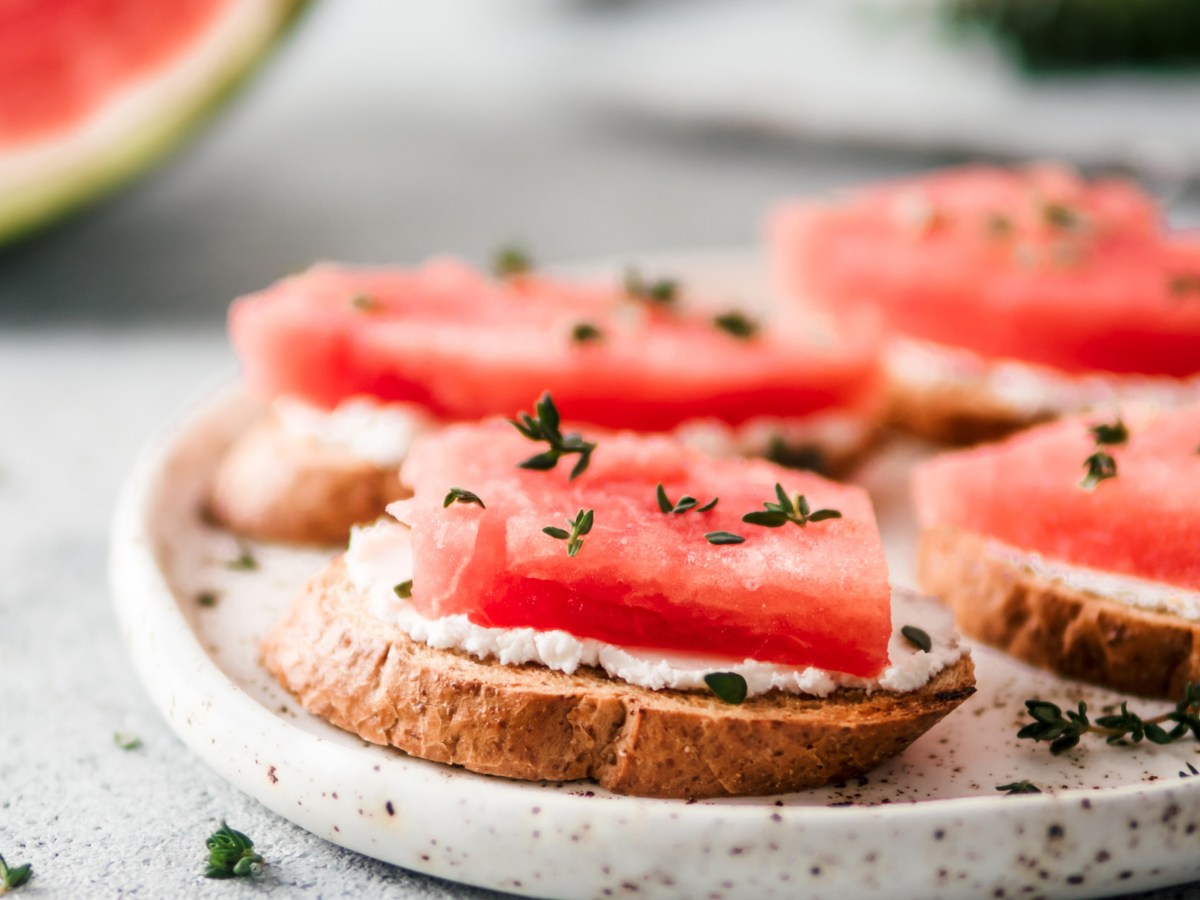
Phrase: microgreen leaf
(1107, 433)
(1100, 467)
(231, 854)
(659, 292)
(546, 428)
(511, 260)
(1019, 787)
(724, 537)
(126, 741)
(586, 332)
(458, 495)
(737, 324)
(403, 590)
(12, 877)
(917, 637)
(729, 687)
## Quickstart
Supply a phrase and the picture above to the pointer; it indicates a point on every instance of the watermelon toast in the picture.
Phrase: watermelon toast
(356, 362)
(627, 610)
(1009, 296)
(1075, 546)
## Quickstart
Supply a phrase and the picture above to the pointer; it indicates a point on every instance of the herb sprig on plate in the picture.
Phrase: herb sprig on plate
(1063, 729)
(545, 427)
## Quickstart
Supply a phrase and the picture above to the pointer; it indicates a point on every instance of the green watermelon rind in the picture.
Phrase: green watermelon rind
(31, 208)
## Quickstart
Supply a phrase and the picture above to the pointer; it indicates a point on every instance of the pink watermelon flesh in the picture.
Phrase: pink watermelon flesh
(1025, 492)
(60, 60)
(467, 347)
(813, 596)
(987, 259)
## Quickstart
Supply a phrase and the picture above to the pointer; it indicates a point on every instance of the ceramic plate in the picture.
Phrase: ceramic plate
(931, 823)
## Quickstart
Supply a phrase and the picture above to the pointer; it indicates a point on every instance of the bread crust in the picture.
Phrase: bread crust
(1068, 631)
(277, 486)
(533, 723)
(953, 413)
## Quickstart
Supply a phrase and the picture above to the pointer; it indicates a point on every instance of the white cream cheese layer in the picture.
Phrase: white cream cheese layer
(381, 433)
(1027, 388)
(1154, 596)
(380, 557)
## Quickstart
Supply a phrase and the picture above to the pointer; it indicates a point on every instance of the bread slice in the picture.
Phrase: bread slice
(1055, 627)
(275, 485)
(533, 723)
(954, 412)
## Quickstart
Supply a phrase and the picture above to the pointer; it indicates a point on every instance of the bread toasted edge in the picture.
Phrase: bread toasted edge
(529, 722)
(274, 485)
(1071, 632)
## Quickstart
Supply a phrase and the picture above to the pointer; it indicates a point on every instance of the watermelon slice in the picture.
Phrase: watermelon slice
(1034, 265)
(466, 346)
(1025, 492)
(91, 91)
(816, 595)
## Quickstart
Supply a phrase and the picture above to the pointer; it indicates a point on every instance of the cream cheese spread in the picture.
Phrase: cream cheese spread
(1028, 388)
(380, 557)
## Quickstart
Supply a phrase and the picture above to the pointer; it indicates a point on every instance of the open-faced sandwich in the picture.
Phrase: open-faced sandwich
(1075, 546)
(355, 363)
(622, 608)
(1009, 296)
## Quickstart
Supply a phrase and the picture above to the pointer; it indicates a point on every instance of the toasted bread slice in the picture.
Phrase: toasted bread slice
(1046, 623)
(275, 485)
(533, 723)
(954, 412)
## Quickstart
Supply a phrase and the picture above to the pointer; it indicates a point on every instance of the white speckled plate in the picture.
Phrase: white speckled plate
(928, 824)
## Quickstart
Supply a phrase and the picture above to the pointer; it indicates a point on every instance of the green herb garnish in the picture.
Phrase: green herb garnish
(724, 537)
(403, 590)
(207, 599)
(1107, 434)
(1192, 770)
(580, 525)
(683, 504)
(917, 637)
(245, 562)
(458, 495)
(1063, 217)
(231, 855)
(1100, 467)
(1185, 284)
(510, 261)
(796, 456)
(728, 686)
(1064, 729)
(1019, 787)
(545, 428)
(126, 741)
(364, 303)
(660, 292)
(737, 324)
(586, 333)
(998, 225)
(788, 509)
(12, 877)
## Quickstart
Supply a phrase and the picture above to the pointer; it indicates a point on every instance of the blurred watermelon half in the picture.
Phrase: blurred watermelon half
(93, 91)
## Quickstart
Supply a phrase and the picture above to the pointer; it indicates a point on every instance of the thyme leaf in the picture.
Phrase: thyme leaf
(458, 495)
(245, 561)
(511, 260)
(1063, 217)
(126, 741)
(788, 509)
(403, 590)
(724, 537)
(738, 324)
(1019, 787)
(1110, 433)
(998, 225)
(231, 855)
(12, 877)
(1100, 467)
(917, 637)
(683, 504)
(728, 686)
(1063, 729)
(586, 333)
(545, 427)
(661, 292)
(580, 525)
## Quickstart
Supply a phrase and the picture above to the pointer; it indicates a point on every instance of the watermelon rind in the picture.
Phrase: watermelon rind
(54, 178)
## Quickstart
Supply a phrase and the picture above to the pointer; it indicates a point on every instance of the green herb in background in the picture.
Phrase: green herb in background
(245, 562)
(661, 292)
(511, 260)
(231, 855)
(1108, 434)
(586, 333)
(1064, 729)
(737, 324)
(126, 741)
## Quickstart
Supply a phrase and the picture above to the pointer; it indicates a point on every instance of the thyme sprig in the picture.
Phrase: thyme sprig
(511, 260)
(737, 324)
(580, 525)
(12, 877)
(788, 509)
(231, 855)
(683, 504)
(459, 495)
(1063, 729)
(545, 427)
(661, 292)
(1019, 787)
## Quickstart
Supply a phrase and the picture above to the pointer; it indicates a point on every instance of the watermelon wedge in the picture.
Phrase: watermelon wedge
(1035, 265)
(92, 91)
(1026, 492)
(466, 346)
(816, 595)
